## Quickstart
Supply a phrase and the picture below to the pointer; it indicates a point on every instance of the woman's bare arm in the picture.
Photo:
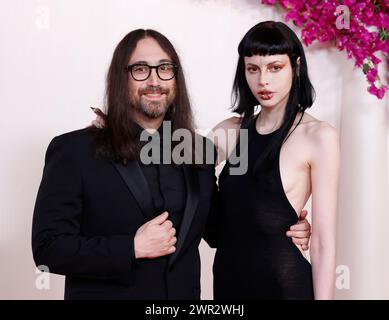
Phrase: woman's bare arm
(324, 177)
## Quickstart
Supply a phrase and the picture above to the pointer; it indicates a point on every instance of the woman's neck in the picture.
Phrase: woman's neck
(270, 119)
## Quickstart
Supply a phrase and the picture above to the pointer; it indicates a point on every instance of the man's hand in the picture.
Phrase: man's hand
(301, 231)
(156, 238)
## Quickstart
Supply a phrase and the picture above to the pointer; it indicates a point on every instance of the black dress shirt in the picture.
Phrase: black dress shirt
(166, 183)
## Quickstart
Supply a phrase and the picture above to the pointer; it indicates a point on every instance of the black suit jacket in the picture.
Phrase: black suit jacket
(87, 212)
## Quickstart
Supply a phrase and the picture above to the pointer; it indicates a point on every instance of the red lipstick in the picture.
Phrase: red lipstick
(265, 94)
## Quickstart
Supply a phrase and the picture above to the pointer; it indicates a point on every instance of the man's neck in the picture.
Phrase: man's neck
(149, 124)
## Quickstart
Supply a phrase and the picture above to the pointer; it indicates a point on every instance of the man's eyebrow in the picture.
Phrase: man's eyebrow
(139, 62)
(145, 62)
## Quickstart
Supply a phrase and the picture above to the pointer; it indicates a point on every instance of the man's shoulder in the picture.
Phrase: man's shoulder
(76, 138)
(73, 143)
(85, 134)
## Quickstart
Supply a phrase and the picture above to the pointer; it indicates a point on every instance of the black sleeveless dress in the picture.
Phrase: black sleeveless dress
(254, 258)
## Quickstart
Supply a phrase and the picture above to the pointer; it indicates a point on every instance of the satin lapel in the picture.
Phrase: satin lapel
(137, 184)
(192, 199)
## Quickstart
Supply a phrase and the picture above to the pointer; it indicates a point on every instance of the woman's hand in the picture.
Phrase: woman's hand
(99, 122)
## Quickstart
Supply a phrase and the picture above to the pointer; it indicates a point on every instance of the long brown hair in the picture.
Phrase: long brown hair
(119, 139)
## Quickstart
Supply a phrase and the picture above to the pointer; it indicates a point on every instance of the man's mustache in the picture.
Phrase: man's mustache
(153, 89)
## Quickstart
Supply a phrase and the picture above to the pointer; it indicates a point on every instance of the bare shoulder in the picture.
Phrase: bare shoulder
(224, 136)
(228, 124)
(317, 130)
(321, 137)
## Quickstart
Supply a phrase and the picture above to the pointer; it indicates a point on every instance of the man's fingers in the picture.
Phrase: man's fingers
(301, 226)
(171, 250)
(298, 234)
(159, 219)
(172, 232)
(167, 225)
(303, 214)
(305, 247)
(303, 241)
(173, 241)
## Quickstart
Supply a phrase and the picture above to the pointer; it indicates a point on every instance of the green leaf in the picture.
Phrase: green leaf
(377, 7)
(365, 67)
(384, 35)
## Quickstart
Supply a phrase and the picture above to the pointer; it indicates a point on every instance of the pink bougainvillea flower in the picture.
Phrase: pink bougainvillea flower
(365, 33)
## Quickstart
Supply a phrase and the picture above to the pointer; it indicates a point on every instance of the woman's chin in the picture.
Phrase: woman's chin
(267, 104)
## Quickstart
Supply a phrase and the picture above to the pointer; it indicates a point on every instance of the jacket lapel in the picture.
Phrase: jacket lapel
(192, 199)
(137, 184)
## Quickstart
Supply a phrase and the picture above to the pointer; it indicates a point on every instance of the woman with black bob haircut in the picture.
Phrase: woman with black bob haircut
(291, 156)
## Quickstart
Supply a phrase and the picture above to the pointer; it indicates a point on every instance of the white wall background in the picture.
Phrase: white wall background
(54, 56)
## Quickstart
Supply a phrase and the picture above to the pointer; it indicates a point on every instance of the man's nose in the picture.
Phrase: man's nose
(153, 79)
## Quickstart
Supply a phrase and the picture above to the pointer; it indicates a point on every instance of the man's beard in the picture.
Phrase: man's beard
(153, 109)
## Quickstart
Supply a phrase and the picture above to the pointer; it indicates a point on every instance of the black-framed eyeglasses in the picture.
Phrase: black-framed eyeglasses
(142, 71)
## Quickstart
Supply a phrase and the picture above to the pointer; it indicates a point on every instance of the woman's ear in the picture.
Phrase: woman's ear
(298, 67)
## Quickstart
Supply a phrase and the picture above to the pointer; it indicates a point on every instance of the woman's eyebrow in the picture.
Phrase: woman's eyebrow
(275, 61)
(272, 62)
